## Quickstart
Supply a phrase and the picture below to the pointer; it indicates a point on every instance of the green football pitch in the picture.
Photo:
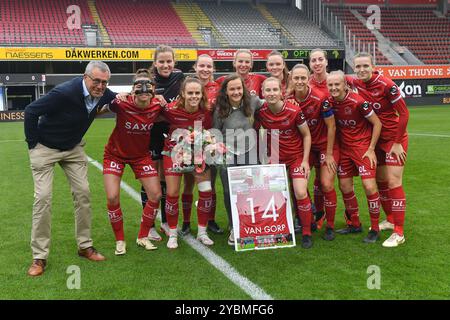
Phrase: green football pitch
(341, 269)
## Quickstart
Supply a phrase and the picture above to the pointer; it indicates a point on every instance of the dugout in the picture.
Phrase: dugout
(18, 90)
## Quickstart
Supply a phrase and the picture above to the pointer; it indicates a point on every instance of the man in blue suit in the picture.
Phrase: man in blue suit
(54, 127)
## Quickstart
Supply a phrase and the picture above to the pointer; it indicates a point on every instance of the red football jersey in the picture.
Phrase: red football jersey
(131, 135)
(387, 102)
(253, 82)
(321, 86)
(262, 200)
(179, 118)
(287, 122)
(354, 130)
(212, 90)
(315, 108)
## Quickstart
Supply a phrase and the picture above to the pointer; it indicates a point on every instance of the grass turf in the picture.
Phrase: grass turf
(330, 270)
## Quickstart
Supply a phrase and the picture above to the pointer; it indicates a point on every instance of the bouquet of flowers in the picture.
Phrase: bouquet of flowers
(194, 149)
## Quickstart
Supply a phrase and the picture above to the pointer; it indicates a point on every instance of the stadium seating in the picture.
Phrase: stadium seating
(418, 29)
(305, 31)
(39, 22)
(143, 23)
(360, 31)
(241, 25)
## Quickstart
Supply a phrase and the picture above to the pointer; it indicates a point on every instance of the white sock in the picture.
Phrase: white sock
(201, 230)
(173, 233)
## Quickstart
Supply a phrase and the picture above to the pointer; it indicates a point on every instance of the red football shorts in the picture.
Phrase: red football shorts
(170, 167)
(295, 170)
(142, 168)
(384, 158)
(352, 164)
(317, 156)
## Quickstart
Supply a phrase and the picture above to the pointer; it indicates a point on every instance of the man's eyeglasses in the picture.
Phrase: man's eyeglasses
(96, 82)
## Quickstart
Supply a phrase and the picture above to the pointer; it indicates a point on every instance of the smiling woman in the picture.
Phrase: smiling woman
(187, 112)
(128, 145)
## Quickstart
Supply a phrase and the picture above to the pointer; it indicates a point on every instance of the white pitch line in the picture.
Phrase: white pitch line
(218, 262)
(429, 135)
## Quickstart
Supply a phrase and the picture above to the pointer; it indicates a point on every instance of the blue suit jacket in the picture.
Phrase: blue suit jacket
(60, 119)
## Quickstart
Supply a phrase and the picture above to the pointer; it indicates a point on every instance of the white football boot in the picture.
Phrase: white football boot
(121, 248)
(386, 225)
(146, 243)
(394, 240)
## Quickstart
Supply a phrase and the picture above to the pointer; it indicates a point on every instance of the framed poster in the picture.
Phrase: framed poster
(261, 207)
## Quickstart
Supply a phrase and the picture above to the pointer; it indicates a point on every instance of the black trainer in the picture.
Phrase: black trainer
(297, 226)
(372, 237)
(185, 229)
(214, 227)
(350, 229)
(318, 215)
(328, 234)
(307, 242)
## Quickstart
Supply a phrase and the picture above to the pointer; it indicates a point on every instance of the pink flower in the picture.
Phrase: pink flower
(207, 136)
(198, 158)
(187, 157)
(177, 157)
(200, 168)
(221, 148)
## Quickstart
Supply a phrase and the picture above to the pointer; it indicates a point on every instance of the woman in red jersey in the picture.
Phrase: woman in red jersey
(324, 148)
(358, 132)
(243, 64)
(294, 141)
(318, 64)
(188, 111)
(204, 71)
(277, 68)
(128, 144)
(386, 100)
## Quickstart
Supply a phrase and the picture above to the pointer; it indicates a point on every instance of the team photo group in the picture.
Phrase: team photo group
(329, 127)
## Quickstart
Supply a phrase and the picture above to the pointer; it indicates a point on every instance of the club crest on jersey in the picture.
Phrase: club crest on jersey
(309, 110)
(325, 105)
(365, 106)
(348, 110)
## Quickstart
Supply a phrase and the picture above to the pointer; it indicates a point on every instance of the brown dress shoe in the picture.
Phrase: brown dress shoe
(91, 254)
(37, 267)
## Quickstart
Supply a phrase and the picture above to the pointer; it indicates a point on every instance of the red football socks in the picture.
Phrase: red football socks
(148, 218)
(351, 205)
(385, 199)
(116, 219)
(172, 211)
(373, 201)
(330, 207)
(187, 199)
(304, 211)
(204, 207)
(212, 215)
(318, 195)
(398, 208)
